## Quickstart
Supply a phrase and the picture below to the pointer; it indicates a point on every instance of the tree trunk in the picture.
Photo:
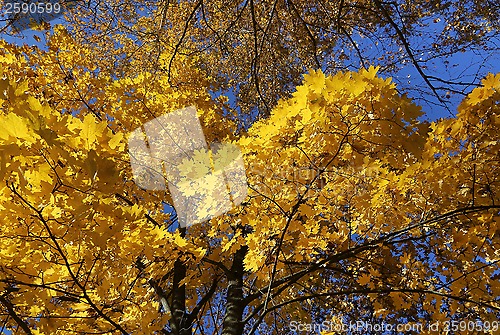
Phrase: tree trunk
(179, 323)
(235, 307)
(179, 318)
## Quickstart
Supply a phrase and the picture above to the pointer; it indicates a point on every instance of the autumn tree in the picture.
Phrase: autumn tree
(356, 210)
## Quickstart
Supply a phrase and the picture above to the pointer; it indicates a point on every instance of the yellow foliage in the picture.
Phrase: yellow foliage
(353, 202)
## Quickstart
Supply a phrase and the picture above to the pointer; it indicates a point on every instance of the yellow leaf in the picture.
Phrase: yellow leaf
(455, 128)
(15, 126)
(36, 176)
(8, 59)
(115, 141)
(181, 242)
(91, 130)
(370, 73)
(315, 80)
(364, 279)
(21, 88)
